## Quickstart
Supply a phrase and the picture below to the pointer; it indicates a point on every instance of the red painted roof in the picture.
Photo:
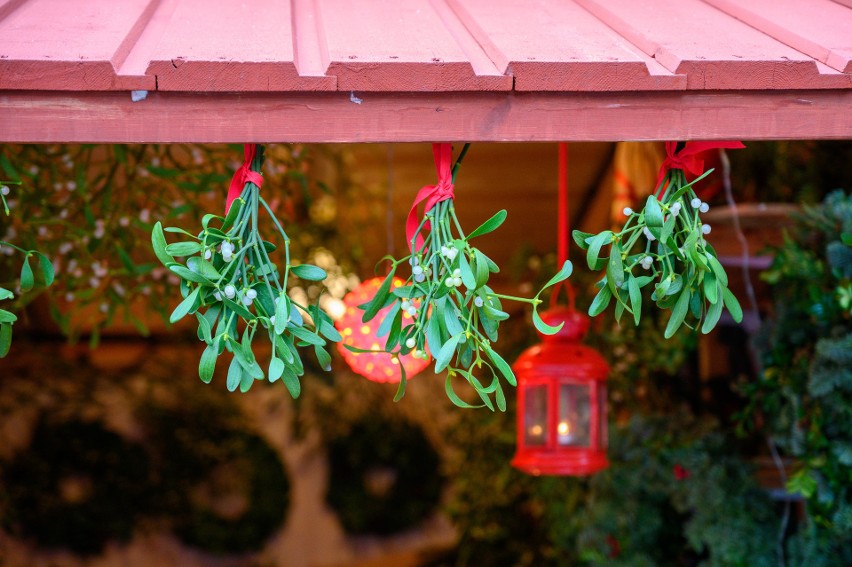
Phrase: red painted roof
(427, 46)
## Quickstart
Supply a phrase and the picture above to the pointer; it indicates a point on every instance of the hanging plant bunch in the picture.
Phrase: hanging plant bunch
(27, 280)
(664, 244)
(228, 276)
(454, 314)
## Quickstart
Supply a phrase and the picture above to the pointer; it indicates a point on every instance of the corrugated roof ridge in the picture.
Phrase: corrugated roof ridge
(768, 24)
(462, 16)
(310, 47)
(9, 6)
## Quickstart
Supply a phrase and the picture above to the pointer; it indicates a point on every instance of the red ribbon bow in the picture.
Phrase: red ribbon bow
(689, 157)
(432, 194)
(243, 175)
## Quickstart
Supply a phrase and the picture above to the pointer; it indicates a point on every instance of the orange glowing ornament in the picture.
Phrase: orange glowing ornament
(375, 366)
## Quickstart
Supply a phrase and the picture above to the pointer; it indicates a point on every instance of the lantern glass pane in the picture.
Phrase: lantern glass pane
(602, 414)
(535, 416)
(572, 429)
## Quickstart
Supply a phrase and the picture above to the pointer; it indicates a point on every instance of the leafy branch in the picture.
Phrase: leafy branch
(454, 314)
(228, 277)
(664, 245)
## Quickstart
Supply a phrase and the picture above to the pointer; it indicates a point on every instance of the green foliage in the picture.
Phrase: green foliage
(804, 395)
(667, 240)
(456, 315)
(27, 279)
(228, 276)
(675, 494)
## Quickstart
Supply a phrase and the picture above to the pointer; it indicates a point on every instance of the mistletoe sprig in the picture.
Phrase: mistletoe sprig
(455, 314)
(27, 278)
(664, 245)
(228, 277)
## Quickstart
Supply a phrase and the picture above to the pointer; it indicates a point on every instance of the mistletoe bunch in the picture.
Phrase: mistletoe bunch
(27, 279)
(455, 315)
(664, 244)
(228, 277)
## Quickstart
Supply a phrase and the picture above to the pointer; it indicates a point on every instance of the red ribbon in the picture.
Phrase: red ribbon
(243, 175)
(689, 158)
(432, 194)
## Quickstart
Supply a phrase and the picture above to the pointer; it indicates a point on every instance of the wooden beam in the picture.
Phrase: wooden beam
(43, 117)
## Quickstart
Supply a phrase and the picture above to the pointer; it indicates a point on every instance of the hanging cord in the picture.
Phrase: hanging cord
(563, 227)
(755, 318)
(389, 203)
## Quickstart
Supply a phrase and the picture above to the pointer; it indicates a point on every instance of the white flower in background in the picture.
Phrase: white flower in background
(124, 221)
(145, 215)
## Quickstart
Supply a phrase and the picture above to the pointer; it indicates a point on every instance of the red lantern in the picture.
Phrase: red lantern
(561, 402)
(379, 366)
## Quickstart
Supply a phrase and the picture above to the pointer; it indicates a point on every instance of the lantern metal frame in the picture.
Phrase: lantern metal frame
(560, 360)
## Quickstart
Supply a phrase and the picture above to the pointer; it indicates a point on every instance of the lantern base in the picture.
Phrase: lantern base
(579, 462)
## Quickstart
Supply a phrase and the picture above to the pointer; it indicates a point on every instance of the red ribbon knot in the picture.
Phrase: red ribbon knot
(243, 175)
(690, 157)
(432, 194)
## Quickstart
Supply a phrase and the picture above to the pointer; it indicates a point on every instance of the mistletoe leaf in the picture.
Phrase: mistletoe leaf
(502, 365)
(7, 317)
(233, 213)
(282, 313)
(5, 338)
(190, 303)
(323, 358)
(309, 272)
(582, 238)
(451, 394)
(188, 274)
(653, 213)
(235, 374)
(378, 301)
(710, 288)
(717, 269)
(276, 369)
(481, 271)
(600, 302)
(403, 381)
(543, 327)
(203, 268)
(158, 243)
(713, 314)
(635, 298)
(563, 274)
(207, 364)
(733, 305)
(291, 382)
(445, 355)
(466, 273)
(46, 267)
(490, 225)
(306, 335)
(451, 317)
(434, 335)
(388, 321)
(27, 278)
(6, 294)
(678, 313)
(204, 328)
(183, 248)
(593, 253)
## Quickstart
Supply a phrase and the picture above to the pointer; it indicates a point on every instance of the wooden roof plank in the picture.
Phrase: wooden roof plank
(712, 49)
(820, 28)
(388, 45)
(47, 117)
(552, 45)
(230, 45)
(59, 45)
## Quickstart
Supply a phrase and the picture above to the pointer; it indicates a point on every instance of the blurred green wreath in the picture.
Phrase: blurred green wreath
(77, 486)
(222, 489)
(384, 476)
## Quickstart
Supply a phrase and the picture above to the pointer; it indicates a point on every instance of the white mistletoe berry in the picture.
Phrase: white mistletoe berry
(696, 202)
(478, 301)
(627, 211)
(230, 291)
(648, 234)
(5, 190)
(410, 342)
(704, 207)
(705, 229)
(251, 294)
